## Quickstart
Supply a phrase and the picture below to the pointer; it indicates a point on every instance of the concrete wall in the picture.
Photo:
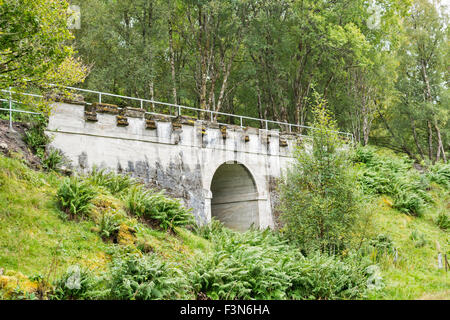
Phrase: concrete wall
(180, 155)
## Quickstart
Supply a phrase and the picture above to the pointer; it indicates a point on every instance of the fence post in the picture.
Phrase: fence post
(446, 262)
(10, 110)
(99, 97)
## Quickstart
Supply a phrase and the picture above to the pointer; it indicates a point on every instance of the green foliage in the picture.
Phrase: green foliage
(443, 221)
(395, 177)
(440, 173)
(261, 265)
(109, 225)
(52, 160)
(34, 42)
(378, 247)
(74, 197)
(169, 213)
(319, 199)
(210, 229)
(75, 284)
(36, 138)
(145, 278)
(418, 238)
(115, 183)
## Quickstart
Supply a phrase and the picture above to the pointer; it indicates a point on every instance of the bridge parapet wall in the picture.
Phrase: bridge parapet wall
(179, 154)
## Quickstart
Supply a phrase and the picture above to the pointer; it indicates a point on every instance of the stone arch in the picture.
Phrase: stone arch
(234, 196)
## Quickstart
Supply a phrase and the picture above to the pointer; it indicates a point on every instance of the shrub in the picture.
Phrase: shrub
(115, 183)
(418, 238)
(378, 247)
(319, 202)
(443, 221)
(75, 284)
(109, 226)
(440, 173)
(168, 212)
(261, 265)
(395, 177)
(74, 197)
(145, 278)
(52, 160)
(35, 137)
(211, 229)
(408, 203)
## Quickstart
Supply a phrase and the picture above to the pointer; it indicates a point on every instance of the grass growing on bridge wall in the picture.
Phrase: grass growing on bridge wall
(37, 244)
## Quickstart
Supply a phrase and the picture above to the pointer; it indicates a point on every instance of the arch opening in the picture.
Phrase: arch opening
(234, 197)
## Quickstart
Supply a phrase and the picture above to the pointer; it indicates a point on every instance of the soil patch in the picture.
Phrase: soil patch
(13, 145)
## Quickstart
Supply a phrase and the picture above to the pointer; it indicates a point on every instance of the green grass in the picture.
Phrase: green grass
(415, 275)
(34, 233)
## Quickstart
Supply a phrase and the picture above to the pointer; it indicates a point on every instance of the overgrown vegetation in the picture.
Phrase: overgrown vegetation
(110, 255)
(169, 213)
(319, 199)
(395, 176)
(74, 197)
(261, 265)
(136, 277)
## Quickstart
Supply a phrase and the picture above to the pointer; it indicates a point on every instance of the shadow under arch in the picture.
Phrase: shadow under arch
(234, 196)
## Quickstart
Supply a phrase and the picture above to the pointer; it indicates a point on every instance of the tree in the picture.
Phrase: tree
(414, 124)
(319, 203)
(34, 44)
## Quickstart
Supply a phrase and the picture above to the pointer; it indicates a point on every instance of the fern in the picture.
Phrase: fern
(74, 197)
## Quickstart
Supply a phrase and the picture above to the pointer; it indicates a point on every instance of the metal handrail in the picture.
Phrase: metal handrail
(181, 107)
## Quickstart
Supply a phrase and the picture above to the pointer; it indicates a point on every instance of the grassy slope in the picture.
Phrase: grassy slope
(32, 235)
(415, 275)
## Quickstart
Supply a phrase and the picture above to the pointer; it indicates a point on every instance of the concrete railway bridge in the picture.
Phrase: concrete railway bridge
(219, 170)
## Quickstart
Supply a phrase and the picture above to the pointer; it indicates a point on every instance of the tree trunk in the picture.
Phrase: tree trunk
(172, 65)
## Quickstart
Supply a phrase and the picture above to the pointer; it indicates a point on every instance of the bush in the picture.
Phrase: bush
(440, 173)
(418, 238)
(115, 183)
(74, 197)
(109, 226)
(394, 177)
(145, 278)
(169, 213)
(75, 284)
(378, 247)
(443, 221)
(211, 229)
(36, 138)
(52, 160)
(261, 265)
(319, 200)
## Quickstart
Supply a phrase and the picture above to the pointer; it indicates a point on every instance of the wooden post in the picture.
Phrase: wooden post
(446, 262)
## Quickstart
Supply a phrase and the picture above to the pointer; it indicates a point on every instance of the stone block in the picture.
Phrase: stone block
(158, 117)
(122, 121)
(132, 112)
(223, 130)
(186, 120)
(106, 108)
(150, 124)
(90, 116)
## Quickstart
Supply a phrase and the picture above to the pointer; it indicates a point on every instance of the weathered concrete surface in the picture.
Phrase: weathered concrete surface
(234, 197)
(182, 156)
